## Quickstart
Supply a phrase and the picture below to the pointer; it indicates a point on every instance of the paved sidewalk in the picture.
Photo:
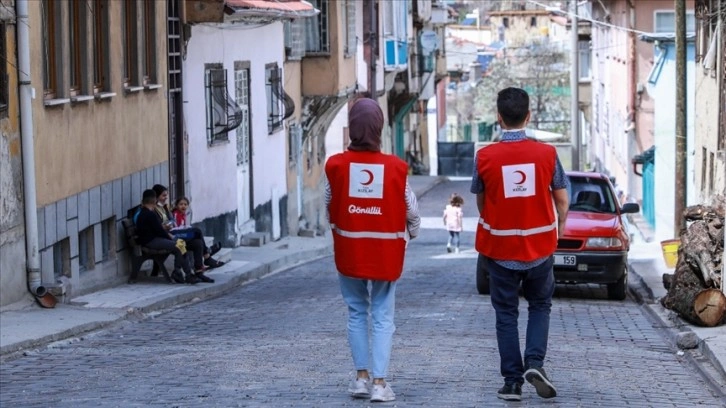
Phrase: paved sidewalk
(26, 326)
(647, 267)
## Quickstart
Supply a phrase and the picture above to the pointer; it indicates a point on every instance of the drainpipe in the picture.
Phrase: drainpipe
(26, 132)
(373, 46)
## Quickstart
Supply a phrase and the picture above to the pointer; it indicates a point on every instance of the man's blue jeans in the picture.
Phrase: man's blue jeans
(381, 299)
(538, 286)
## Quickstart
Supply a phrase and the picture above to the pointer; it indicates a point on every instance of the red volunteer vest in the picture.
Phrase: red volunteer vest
(517, 221)
(368, 214)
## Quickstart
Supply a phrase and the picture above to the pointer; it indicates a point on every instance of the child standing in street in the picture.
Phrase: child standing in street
(453, 220)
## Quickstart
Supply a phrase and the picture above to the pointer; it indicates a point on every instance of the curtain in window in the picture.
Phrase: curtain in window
(312, 30)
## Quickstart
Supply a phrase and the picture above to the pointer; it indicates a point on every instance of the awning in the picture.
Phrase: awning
(284, 9)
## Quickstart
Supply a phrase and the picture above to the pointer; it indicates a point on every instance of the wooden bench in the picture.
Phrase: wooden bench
(139, 254)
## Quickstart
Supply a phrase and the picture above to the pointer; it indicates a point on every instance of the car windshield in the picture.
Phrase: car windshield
(591, 194)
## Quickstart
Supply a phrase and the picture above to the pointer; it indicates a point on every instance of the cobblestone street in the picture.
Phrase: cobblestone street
(281, 341)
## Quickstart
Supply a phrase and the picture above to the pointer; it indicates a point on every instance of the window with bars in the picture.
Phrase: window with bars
(295, 39)
(223, 114)
(242, 98)
(317, 29)
(349, 21)
(280, 105)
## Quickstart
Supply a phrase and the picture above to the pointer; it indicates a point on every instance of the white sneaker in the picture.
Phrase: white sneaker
(382, 393)
(358, 388)
(456, 250)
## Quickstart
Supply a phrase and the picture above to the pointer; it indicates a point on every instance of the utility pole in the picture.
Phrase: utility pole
(680, 142)
(574, 88)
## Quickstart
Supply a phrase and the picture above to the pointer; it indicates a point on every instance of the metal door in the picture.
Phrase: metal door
(455, 158)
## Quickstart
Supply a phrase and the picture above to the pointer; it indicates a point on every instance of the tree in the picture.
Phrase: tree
(539, 68)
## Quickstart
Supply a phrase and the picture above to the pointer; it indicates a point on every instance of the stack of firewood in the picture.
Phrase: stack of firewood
(695, 289)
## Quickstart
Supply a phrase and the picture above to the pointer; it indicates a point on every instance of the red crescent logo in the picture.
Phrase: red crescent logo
(370, 177)
(524, 177)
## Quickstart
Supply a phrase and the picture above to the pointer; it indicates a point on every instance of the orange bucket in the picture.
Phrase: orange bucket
(670, 251)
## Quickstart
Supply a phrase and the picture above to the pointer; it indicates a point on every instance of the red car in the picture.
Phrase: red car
(594, 247)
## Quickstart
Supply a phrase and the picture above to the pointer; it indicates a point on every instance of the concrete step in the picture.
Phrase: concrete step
(255, 239)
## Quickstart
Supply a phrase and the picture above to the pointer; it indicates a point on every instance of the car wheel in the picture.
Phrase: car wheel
(482, 278)
(618, 290)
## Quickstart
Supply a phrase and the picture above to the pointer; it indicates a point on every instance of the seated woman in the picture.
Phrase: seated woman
(193, 236)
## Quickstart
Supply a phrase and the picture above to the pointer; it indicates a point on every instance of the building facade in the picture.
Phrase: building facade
(97, 138)
(710, 101)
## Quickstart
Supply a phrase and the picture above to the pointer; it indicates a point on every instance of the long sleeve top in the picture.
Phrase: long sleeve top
(148, 226)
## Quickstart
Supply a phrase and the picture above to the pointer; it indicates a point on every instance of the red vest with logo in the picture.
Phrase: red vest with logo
(517, 222)
(368, 213)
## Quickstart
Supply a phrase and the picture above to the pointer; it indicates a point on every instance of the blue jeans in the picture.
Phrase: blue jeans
(538, 286)
(453, 239)
(381, 298)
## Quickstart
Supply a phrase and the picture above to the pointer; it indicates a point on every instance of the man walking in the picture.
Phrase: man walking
(516, 181)
(370, 207)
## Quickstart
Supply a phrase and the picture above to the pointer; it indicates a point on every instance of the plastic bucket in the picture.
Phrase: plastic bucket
(670, 251)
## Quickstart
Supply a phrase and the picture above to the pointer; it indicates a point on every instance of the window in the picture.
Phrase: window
(273, 82)
(223, 114)
(77, 19)
(584, 59)
(86, 251)
(62, 259)
(294, 144)
(108, 239)
(295, 39)
(704, 166)
(149, 43)
(51, 49)
(711, 172)
(505, 22)
(348, 14)
(242, 98)
(279, 104)
(100, 46)
(665, 22)
(131, 75)
(316, 29)
(533, 22)
(3, 72)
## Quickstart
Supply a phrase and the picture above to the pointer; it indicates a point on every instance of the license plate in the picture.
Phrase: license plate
(565, 260)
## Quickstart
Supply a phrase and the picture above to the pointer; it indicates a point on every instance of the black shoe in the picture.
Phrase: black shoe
(177, 276)
(510, 392)
(215, 248)
(191, 279)
(213, 263)
(538, 378)
(204, 278)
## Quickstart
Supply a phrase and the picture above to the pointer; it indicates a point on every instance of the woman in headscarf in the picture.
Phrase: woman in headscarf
(372, 210)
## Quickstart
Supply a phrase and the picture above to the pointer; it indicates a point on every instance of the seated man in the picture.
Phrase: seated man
(151, 234)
